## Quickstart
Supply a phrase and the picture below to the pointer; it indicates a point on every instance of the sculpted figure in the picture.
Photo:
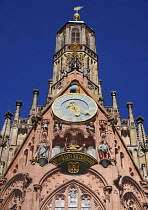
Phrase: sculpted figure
(43, 149)
(64, 72)
(57, 126)
(90, 127)
(104, 150)
(102, 124)
(86, 72)
(74, 148)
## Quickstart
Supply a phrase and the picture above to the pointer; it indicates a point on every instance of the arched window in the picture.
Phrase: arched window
(86, 202)
(73, 199)
(87, 40)
(59, 202)
(75, 35)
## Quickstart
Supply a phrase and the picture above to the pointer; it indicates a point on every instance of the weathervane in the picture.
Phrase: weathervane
(76, 15)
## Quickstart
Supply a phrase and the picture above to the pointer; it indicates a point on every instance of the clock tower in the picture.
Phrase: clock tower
(74, 153)
(84, 37)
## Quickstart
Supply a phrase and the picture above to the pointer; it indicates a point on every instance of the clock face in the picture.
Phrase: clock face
(74, 107)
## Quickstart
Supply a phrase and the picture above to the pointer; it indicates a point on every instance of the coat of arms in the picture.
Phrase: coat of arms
(73, 167)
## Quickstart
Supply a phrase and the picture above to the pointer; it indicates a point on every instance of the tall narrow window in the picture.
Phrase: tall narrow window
(59, 202)
(75, 35)
(85, 203)
(121, 159)
(87, 40)
(26, 156)
(73, 199)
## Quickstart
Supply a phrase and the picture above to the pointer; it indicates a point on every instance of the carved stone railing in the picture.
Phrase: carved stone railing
(93, 87)
(57, 85)
(83, 48)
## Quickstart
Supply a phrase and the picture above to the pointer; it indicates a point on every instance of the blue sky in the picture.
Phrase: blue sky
(27, 45)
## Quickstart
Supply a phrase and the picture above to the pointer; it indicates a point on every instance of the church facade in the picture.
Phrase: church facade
(74, 153)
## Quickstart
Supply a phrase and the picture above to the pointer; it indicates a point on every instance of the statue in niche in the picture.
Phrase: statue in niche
(57, 126)
(86, 72)
(43, 149)
(42, 152)
(64, 72)
(104, 150)
(103, 125)
(45, 126)
(90, 127)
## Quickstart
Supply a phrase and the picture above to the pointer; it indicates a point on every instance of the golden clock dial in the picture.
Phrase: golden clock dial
(74, 107)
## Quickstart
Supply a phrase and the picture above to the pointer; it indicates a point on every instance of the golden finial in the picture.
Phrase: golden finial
(76, 15)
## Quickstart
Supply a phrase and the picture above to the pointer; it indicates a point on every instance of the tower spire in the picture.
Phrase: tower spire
(6, 126)
(5, 134)
(133, 133)
(114, 101)
(14, 132)
(141, 132)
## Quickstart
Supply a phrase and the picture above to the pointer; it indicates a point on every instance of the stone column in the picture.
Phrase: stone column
(107, 192)
(36, 196)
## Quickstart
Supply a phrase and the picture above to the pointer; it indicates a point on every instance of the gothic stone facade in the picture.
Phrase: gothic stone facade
(30, 181)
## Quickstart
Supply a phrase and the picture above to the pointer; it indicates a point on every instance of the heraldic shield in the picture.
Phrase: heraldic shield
(73, 167)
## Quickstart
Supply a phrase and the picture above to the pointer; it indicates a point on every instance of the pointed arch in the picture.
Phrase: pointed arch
(130, 202)
(77, 185)
(57, 171)
(131, 185)
(14, 200)
(17, 182)
(132, 194)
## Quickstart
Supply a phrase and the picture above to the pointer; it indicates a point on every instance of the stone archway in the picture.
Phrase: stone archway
(130, 202)
(15, 190)
(132, 195)
(13, 201)
(55, 185)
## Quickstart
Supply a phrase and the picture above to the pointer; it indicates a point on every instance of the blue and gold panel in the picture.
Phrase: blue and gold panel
(73, 163)
(74, 107)
(74, 89)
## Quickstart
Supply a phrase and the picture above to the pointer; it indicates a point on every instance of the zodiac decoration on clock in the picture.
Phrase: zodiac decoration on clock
(76, 109)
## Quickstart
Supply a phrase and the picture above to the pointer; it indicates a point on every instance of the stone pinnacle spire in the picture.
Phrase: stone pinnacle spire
(114, 101)
(34, 102)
